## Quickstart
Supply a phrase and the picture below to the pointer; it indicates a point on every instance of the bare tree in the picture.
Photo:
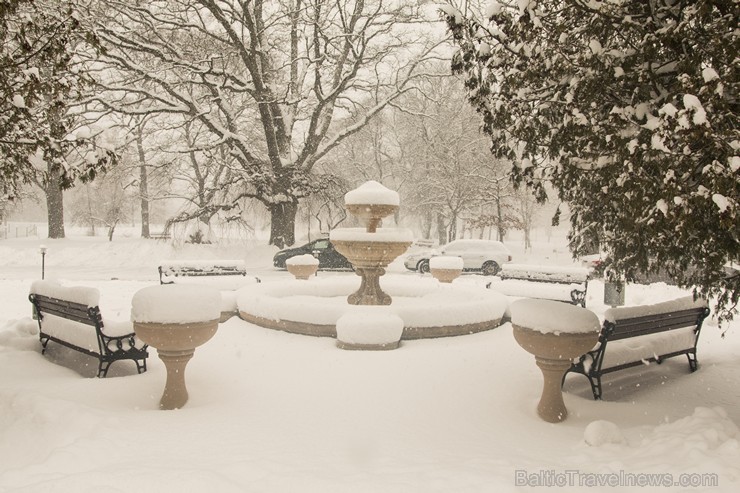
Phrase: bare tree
(451, 174)
(105, 201)
(267, 80)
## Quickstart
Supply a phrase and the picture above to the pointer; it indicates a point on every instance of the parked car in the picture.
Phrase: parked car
(485, 256)
(322, 249)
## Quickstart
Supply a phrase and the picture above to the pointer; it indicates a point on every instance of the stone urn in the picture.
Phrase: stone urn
(555, 333)
(445, 268)
(302, 266)
(371, 249)
(175, 319)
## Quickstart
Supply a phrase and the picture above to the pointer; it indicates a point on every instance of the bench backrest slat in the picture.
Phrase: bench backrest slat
(66, 309)
(650, 324)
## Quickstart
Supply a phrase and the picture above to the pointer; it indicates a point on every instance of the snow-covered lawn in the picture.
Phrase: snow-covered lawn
(273, 412)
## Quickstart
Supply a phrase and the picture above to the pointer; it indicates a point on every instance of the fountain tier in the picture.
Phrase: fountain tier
(370, 253)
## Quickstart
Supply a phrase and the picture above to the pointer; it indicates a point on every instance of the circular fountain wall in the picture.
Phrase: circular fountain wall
(427, 307)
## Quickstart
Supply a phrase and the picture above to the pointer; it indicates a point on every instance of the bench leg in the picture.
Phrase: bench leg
(44, 341)
(595, 386)
(594, 381)
(103, 368)
(693, 363)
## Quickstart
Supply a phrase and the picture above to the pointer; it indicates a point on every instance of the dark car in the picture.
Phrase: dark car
(322, 249)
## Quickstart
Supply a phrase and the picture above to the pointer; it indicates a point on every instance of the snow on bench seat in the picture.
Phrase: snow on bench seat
(567, 284)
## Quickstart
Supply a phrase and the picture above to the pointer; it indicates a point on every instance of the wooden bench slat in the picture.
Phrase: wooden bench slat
(653, 324)
(65, 309)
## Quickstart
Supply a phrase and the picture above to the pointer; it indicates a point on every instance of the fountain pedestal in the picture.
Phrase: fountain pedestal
(370, 292)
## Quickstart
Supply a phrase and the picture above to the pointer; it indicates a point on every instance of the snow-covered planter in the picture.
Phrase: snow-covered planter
(302, 266)
(175, 319)
(555, 333)
(369, 327)
(445, 268)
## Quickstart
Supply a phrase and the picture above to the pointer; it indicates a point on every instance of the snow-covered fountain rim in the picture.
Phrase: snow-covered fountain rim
(427, 307)
(386, 235)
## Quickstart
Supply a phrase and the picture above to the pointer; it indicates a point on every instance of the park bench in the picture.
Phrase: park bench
(70, 316)
(165, 235)
(567, 284)
(169, 270)
(639, 335)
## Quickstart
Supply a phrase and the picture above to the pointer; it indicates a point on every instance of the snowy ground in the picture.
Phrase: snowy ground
(271, 411)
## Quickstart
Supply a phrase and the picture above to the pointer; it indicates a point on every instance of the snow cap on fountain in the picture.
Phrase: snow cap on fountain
(176, 304)
(305, 259)
(547, 316)
(371, 192)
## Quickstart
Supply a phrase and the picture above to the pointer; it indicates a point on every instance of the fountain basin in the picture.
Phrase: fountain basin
(376, 249)
(370, 253)
(555, 333)
(428, 309)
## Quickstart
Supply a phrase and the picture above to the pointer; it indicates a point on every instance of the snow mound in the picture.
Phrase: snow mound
(176, 303)
(369, 325)
(601, 432)
(624, 312)
(78, 294)
(549, 316)
(446, 262)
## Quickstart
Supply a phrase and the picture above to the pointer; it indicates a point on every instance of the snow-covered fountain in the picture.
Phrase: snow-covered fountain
(383, 308)
(369, 249)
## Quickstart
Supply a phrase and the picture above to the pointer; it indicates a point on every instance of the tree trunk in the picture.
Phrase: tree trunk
(441, 230)
(500, 221)
(54, 205)
(90, 211)
(426, 224)
(111, 229)
(452, 230)
(282, 223)
(143, 185)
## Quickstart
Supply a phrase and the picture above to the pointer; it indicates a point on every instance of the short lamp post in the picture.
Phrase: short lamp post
(42, 250)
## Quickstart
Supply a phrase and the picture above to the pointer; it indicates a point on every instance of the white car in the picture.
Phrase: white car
(485, 256)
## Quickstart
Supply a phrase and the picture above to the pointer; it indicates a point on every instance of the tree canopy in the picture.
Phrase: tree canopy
(38, 82)
(630, 109)
(265, 81)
